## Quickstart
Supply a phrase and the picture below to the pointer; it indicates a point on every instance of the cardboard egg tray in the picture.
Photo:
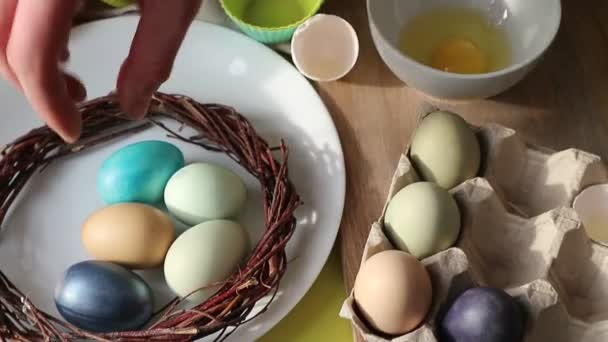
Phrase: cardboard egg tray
(520, 234)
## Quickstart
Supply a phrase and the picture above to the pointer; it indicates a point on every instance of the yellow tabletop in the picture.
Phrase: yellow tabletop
(316, 318)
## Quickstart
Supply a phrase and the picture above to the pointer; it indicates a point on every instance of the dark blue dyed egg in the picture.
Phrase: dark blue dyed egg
(103, 297)
(138, 172)
(483, 315)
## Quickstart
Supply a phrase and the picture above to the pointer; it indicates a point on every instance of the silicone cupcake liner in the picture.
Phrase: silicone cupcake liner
(269, 35)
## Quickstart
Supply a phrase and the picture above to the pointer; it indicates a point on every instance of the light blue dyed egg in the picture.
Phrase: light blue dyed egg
(138, 172)
(103, 297)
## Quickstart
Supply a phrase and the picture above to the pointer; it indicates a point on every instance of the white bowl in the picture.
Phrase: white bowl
(530, 25)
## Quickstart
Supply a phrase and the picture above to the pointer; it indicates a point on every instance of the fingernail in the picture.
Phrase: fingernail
(70, 134)
(64, 55)
(139, 108)
(75, 88)
(68, 138)
(134, 91)
(135, 101)
(82, 93)
(77, 92)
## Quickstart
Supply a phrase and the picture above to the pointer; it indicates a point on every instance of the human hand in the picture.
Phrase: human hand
(33, 44)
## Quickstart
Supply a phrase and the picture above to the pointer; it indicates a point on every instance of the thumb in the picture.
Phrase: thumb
(160, 32)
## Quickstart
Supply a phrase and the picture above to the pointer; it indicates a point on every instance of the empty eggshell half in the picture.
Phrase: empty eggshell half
(325, 48)
(591, 205)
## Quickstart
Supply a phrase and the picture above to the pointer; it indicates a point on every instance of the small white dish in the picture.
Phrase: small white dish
(325, 48)
(591, 205)
(530, 25)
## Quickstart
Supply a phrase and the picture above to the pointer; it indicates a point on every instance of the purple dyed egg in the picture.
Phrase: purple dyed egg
(483, 315)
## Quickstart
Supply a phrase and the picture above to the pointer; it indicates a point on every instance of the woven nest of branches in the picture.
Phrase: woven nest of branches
(219, 128)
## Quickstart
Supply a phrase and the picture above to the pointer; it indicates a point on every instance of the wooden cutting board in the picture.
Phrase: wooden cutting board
(563, 103)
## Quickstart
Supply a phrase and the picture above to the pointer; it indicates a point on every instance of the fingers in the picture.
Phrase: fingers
(37, 43)
(7, 14)
(159, 35)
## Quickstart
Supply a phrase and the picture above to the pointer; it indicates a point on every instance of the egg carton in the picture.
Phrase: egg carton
(533, 179)
(520, 234)
(469, 263)
(580, 275)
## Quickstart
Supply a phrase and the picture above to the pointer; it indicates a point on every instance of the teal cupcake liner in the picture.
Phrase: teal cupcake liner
(267, 36)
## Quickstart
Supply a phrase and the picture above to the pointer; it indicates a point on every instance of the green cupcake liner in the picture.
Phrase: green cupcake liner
(118, 3)
(267, 35)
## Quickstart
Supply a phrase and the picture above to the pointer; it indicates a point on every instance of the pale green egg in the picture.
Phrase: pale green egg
(445, 150)
(422, 219)
(205, 254)
(200, 192)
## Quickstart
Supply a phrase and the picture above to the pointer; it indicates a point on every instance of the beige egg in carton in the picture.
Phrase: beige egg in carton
(519, 234)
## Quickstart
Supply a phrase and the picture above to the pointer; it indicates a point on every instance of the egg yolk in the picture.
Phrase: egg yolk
(460, 56)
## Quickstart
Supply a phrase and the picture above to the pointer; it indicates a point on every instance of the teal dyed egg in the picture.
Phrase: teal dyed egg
(138, 172)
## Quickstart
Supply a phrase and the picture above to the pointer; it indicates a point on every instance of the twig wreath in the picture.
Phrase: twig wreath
(219, 128)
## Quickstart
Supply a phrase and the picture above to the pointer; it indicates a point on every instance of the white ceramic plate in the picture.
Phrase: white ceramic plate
(41, 236)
